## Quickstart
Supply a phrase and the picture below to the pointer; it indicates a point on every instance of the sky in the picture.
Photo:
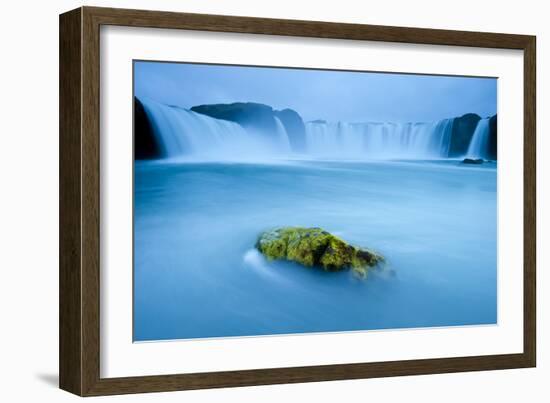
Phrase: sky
(319, 94)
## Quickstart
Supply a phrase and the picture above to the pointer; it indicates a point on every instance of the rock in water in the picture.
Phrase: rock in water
(314, 247)
(475, 161)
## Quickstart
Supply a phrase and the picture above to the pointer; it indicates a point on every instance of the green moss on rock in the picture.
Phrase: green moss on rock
(315, 247)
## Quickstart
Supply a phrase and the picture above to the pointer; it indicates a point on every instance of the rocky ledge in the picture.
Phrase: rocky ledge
(474, 161)
(315, 247)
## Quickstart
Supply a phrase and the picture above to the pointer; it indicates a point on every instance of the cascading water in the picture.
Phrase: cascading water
(479, 145)
(282, 136)
(379, 140)
(182, 132)
(328, 139)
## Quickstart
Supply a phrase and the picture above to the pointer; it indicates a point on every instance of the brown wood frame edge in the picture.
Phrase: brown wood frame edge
(79, 200)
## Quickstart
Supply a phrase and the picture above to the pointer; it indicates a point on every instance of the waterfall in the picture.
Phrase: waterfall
(379, 140)
(479, 145)
(182, 132)
(328, 139)
(282, 136)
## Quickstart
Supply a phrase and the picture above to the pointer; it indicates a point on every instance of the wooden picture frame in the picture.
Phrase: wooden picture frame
(79, 348)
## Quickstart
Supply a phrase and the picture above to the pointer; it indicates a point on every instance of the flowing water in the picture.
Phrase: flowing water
(479, 145)
(379, 140)
(197, 273)
(182, 132)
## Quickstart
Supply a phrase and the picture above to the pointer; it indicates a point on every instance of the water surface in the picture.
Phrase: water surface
(197, 275)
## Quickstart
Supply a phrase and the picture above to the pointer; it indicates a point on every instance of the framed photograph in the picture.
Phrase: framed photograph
(248, 201)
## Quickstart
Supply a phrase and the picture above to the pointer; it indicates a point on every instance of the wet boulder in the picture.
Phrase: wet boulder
(472, 161)
(315, 247)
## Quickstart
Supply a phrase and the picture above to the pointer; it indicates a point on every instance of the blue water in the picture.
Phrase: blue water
(196, 273)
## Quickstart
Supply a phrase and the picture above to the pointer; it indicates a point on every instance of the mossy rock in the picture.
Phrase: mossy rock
(315, 247)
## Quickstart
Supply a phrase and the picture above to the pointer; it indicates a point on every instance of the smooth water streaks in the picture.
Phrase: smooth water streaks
(184, 133)
(380, 140)
(479, 145)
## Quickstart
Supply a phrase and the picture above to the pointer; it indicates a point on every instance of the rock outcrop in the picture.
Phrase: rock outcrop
(249, 115)
(146, 145)
(295, 128)
(463, 130)
(493, 138)
(260, 118)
